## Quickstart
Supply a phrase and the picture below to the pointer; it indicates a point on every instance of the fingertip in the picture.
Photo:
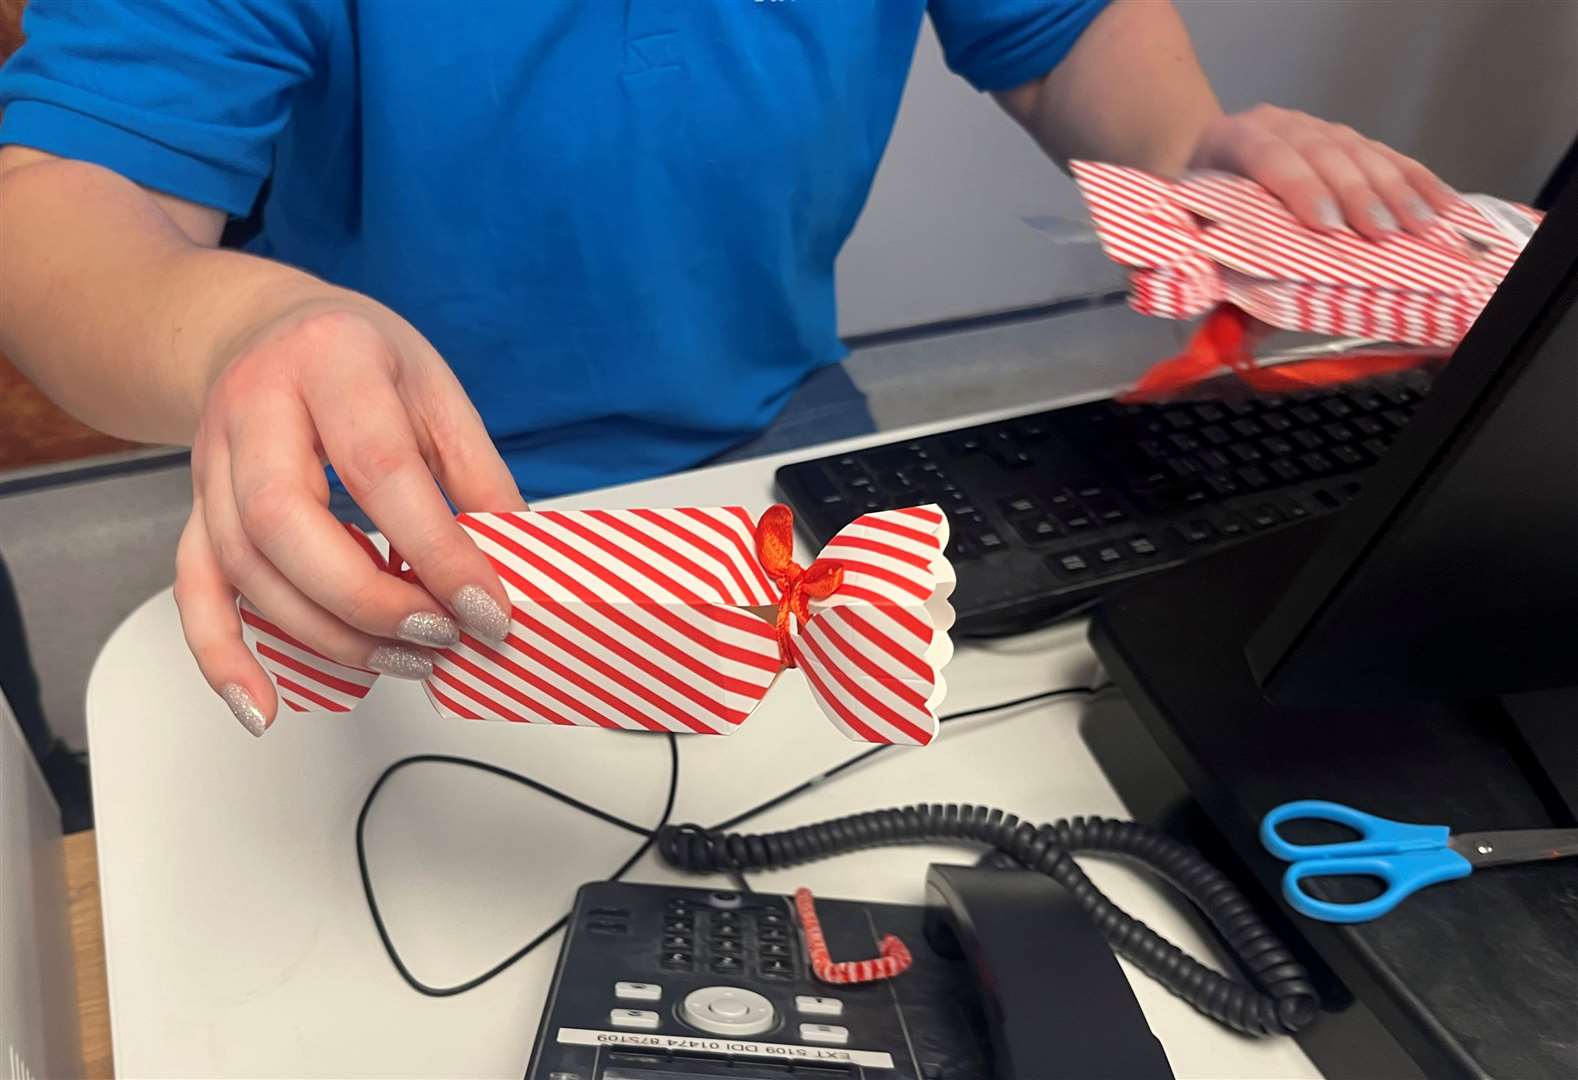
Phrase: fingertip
(480, 613)
(248, 711)
(1327, 216)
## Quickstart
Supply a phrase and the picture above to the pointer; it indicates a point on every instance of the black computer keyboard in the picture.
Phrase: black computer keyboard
(1050, 509)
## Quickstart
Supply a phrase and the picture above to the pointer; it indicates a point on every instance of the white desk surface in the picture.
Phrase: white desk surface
(237, 938)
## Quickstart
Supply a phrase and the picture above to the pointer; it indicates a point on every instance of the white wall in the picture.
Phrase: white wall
(1484, 91)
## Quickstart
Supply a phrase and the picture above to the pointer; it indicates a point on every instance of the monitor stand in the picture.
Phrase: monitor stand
(1466, 979)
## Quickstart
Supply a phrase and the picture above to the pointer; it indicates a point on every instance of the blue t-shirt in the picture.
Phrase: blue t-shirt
(615, 219)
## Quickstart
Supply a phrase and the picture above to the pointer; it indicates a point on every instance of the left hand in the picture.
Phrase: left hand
(1327, 173)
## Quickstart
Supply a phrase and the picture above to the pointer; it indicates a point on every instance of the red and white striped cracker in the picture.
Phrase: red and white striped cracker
(661, 620)
(305, 679)
(873, 652)
(1212, 237)
(631, 619)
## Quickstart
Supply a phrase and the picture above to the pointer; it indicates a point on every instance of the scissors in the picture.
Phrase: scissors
(1406, 857)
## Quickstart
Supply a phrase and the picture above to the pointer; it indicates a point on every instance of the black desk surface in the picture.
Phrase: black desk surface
(1477, 977)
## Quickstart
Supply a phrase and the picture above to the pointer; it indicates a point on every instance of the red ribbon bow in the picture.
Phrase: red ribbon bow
(1223, 341)
(797, 586)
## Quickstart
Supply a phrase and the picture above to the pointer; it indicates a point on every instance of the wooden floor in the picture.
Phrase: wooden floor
(87, 943)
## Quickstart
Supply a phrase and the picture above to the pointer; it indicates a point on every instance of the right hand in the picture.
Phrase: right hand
(351, 385)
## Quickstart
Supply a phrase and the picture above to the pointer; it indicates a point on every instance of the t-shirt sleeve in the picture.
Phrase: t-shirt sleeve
(1001, 44)
(183, 96)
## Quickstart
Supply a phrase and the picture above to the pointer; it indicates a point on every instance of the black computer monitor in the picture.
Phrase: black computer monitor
(1455, 574)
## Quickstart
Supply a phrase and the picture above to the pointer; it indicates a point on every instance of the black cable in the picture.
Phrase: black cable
(569, 800)
(849, 763)
(737, 875)
(1282, 1001)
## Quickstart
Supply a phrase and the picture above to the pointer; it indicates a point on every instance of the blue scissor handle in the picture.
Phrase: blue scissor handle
(1377, 835)
(1404, 874)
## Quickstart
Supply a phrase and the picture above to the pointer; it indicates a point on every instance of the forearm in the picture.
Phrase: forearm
(114, 310)
(1131, 92)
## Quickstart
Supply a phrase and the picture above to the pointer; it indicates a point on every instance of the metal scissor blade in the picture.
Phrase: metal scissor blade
(1515, 846)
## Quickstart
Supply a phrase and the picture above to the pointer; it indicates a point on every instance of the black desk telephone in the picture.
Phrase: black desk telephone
(1010, 980)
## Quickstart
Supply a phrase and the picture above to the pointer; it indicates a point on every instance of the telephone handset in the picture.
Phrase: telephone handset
(1054, 999)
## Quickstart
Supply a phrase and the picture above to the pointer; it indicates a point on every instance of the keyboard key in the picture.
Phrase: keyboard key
(1327, 499)
(1247, 428)
(1011, 459)
(1295, 510)
(1246, 452)
(1396, 417)
(988, 541)
(1062, 498)
(1214, 459)
(1253, 477)
(1265, 516)
(1243, 408)
(849, 468)
(1339, 432)
(1229, 526)
(1216, 435)
(819, 487)
(677, 960)
(1277, 445)
(1038, 530)
(1209, 412)
(1018, 504)
(1309, 440)
(1198, 531)
(728, 965)
(1316, 462)
(1072, 564)
(1108, 554)
(1078, 521)
(1141, 545)
(1337, 407)
(1378, 447)
(1348, 456)
(1369, 425)
(1178, 418)
(1031, 429)
(1221, 483)
(1306, 415)
(1276, 421)
(1186, 443)
(1368, 400)
(1106, 511)
(965, 444)
(1090, 492)
(1286, 471)
(1182, 466)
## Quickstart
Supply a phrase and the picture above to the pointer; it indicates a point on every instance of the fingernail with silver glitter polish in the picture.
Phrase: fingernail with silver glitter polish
(1383, 218)
(1328, 215)
(480, 614)
(245, 708)
(401, 662)
(428, 628)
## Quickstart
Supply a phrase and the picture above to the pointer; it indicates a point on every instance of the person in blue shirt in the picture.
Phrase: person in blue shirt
(508, 246)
